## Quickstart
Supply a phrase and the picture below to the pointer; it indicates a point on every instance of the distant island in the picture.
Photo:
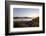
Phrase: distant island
(22, 17)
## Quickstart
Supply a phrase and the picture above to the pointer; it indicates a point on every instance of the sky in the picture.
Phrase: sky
(25, 12)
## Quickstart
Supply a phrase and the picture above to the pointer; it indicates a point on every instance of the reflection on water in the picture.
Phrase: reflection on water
(22, 19)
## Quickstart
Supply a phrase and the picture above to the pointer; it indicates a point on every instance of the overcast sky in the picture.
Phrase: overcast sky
(25, 12)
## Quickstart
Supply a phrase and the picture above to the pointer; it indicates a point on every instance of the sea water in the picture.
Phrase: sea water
(21, 19)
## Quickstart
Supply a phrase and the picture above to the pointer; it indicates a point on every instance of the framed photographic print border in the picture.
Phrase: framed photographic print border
(7, 20)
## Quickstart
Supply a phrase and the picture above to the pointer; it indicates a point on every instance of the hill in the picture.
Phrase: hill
(32, 23)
